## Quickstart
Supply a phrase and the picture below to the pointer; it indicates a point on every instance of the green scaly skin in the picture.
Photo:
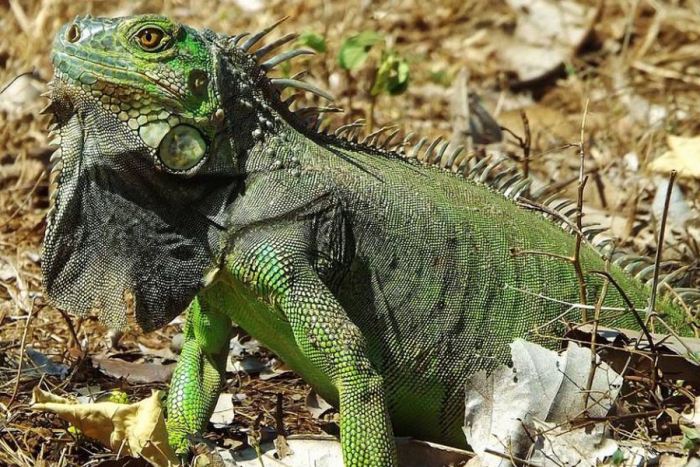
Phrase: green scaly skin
(181, 180)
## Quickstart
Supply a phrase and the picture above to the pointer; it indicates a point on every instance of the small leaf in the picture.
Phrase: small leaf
(618, 458)
(441, 77)
(690, 433)
(356, 48)
(392, 75)
(691, 438)
(314, 41)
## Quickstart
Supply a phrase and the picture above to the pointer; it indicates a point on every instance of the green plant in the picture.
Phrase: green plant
(391, 73)
(314, 41)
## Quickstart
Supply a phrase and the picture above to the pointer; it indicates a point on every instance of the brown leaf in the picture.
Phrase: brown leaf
(683, 156)
(129, 429)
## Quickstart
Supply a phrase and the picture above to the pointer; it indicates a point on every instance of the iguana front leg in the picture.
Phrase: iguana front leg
(199, 374)
(277, 269)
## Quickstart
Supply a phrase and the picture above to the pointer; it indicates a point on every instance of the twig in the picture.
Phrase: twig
(630, 306)
(582, 179)
(511, 458)
(528, 204)
(600, 187)
(596, 318)
(20, 364)
(281, 445)
(660, 243)
(71, 329)
(26, 200)
(563, 302)
(528, 143)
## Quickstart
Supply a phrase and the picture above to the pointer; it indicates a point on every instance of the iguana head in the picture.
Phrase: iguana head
(143, 171)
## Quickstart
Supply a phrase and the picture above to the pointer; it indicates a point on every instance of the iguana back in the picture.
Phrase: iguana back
(440, 274)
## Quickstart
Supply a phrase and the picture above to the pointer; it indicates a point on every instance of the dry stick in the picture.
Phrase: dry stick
(556, 187)
(578, 231)
(254, 438)
(24, 73)
(673, 333)
(554, 214)
(20, 364)
(26, 200)
(515, 460)
(657, 261)
(600, 187)
(467, 111)
(579, 218)
(631, 307)
(631, 215)
(527, 145)
(660, 244)
(71, 329)
(615, 418)
(281, 442)
(596, 318)
(674, 293)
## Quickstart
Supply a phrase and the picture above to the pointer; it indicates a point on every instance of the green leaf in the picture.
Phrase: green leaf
(618, 457)
(690, 433)
(315, 41)
(356, 48)
(691, 438)
(441, 77)
(392, 75)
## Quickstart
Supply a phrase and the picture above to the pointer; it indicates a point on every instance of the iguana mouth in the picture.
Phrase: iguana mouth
(111, 74)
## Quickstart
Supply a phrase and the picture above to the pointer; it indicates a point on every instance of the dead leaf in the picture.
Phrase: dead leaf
(324, 451)
(678, 358)
(556, 446)
(41, 364)
(415, 453)
(547, 35)
(223, 414)
(141, 373)
(678, 208)
(548, 125)
(250, 365)
(683, 156)
(23, 92)
(317, 405)
(128, 429)
(541, 385)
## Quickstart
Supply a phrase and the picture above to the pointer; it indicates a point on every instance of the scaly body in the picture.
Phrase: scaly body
(183, 181)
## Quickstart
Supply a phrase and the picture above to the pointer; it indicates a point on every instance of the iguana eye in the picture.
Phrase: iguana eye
(152, 39)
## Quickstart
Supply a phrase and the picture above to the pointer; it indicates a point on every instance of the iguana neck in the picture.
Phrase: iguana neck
(263, 133)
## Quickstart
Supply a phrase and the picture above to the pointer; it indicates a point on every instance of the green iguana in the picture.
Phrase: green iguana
(183, 181)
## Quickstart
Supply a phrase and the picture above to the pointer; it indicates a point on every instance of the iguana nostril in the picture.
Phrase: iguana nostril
(73, 33)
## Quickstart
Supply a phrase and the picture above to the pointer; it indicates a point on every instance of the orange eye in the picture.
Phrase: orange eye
(151, 38)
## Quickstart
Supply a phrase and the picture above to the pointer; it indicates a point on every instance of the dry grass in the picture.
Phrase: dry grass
(643, 56)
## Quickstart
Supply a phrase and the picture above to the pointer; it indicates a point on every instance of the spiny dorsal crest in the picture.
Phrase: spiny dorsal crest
(437, 153)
